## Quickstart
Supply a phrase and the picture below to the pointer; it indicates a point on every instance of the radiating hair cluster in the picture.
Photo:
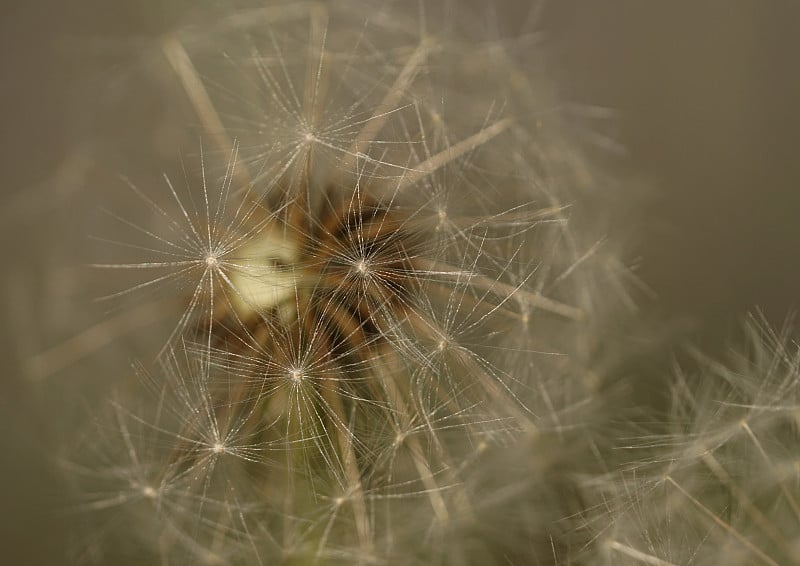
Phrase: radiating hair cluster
(718, 479)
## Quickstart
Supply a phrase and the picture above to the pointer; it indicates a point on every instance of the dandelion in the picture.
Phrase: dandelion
(375, 297)
(722, 484)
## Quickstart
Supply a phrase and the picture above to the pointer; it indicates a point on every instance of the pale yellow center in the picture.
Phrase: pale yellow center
(264, 276)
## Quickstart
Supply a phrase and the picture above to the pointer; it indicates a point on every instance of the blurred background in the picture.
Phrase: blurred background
(704, 97)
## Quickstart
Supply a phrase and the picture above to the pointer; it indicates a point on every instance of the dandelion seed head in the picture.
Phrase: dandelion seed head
(349, 284)
(719, 481)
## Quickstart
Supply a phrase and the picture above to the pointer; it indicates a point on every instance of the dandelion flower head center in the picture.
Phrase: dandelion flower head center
(264, 276)
(310, 256)
(149, 492)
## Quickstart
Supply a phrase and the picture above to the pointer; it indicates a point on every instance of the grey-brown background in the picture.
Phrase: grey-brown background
(705, 95)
